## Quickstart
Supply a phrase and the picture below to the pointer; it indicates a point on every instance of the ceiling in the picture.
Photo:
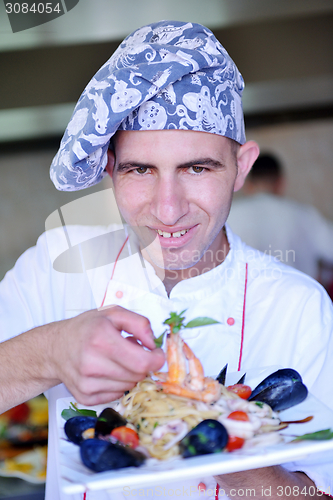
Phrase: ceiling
(283, 48)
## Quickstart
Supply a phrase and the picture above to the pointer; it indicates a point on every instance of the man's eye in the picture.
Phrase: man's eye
(141, 170)
(197, 169)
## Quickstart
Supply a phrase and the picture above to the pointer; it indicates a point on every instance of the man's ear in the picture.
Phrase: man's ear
(111, 162)
(246, 156)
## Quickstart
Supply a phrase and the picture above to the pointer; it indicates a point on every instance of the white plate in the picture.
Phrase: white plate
(76, 478)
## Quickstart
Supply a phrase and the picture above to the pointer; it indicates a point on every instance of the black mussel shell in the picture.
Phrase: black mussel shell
(108, 420)
(100, 456)
(210, 436)
(221, 376)
(281, 390)
(273, 378)
(75, 426)
(223, 373)
(242, 379)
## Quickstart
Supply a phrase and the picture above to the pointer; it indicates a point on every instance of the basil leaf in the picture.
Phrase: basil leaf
(159, 340)
(325, 434)
(203, 321)
(88, 413)
(175, 320)
(72, 411)
(69, 413)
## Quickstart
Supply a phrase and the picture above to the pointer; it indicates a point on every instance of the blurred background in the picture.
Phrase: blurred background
(283, 48)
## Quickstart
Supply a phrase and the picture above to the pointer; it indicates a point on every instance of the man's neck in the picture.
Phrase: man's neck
(212, 257)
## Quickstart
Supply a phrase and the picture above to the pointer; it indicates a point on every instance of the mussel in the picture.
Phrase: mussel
(223, 373)
(103, 425)
(209, 436)
(100, 456)
(75, 426)
(281, 390)
(108, 420)
(242, 379)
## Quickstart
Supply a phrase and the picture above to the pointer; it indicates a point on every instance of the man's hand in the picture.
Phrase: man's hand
(275, 483)
(87, 353)
(95, 362)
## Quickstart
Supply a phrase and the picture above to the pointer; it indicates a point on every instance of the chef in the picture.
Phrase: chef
(163, 118)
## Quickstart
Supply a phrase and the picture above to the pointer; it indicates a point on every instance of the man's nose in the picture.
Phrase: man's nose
(169, 201)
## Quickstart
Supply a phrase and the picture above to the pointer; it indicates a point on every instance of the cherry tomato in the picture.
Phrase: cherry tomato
(239, 415)
(19, 414)
(234, 443)
(126, 436)
(243, 391)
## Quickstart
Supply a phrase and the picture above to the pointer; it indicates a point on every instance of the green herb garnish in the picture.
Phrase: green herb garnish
(176, 323)
(202, 438)
(159, 340)
(323, 435)
(192, 449)
(73, 411)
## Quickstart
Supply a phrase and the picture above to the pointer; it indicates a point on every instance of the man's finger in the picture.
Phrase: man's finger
(132, 323)
(133, 357)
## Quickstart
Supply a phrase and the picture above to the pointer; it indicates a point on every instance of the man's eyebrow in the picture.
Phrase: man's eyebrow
(122, 167)
(203, 161)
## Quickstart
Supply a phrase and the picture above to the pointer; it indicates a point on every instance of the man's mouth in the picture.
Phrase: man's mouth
(177, 234)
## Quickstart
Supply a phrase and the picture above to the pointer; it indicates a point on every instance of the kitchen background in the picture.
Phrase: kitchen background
(283, 48)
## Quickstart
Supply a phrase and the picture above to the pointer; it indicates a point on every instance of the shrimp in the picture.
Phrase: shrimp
(195, 378)
(193, 385)
(175, 359)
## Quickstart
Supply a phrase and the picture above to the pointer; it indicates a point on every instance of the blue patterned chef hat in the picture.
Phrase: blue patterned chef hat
(167, 75)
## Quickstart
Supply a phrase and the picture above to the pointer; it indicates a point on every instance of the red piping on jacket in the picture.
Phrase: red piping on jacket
(240, 351)
(243, 320)
(113, 270)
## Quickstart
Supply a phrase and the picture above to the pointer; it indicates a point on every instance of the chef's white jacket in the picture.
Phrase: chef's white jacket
(268, 313)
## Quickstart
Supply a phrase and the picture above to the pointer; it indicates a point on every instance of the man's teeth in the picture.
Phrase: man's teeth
(174, 235)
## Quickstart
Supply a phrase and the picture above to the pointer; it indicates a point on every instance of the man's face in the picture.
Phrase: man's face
(177, 187)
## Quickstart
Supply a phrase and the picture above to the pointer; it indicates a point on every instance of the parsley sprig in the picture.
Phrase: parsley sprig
(74, 411)
(176, 322)
(322, 435)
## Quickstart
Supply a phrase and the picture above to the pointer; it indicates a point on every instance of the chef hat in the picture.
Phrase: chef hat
(167, 75)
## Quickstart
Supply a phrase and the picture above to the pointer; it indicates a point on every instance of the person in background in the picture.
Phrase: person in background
(294, 233)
